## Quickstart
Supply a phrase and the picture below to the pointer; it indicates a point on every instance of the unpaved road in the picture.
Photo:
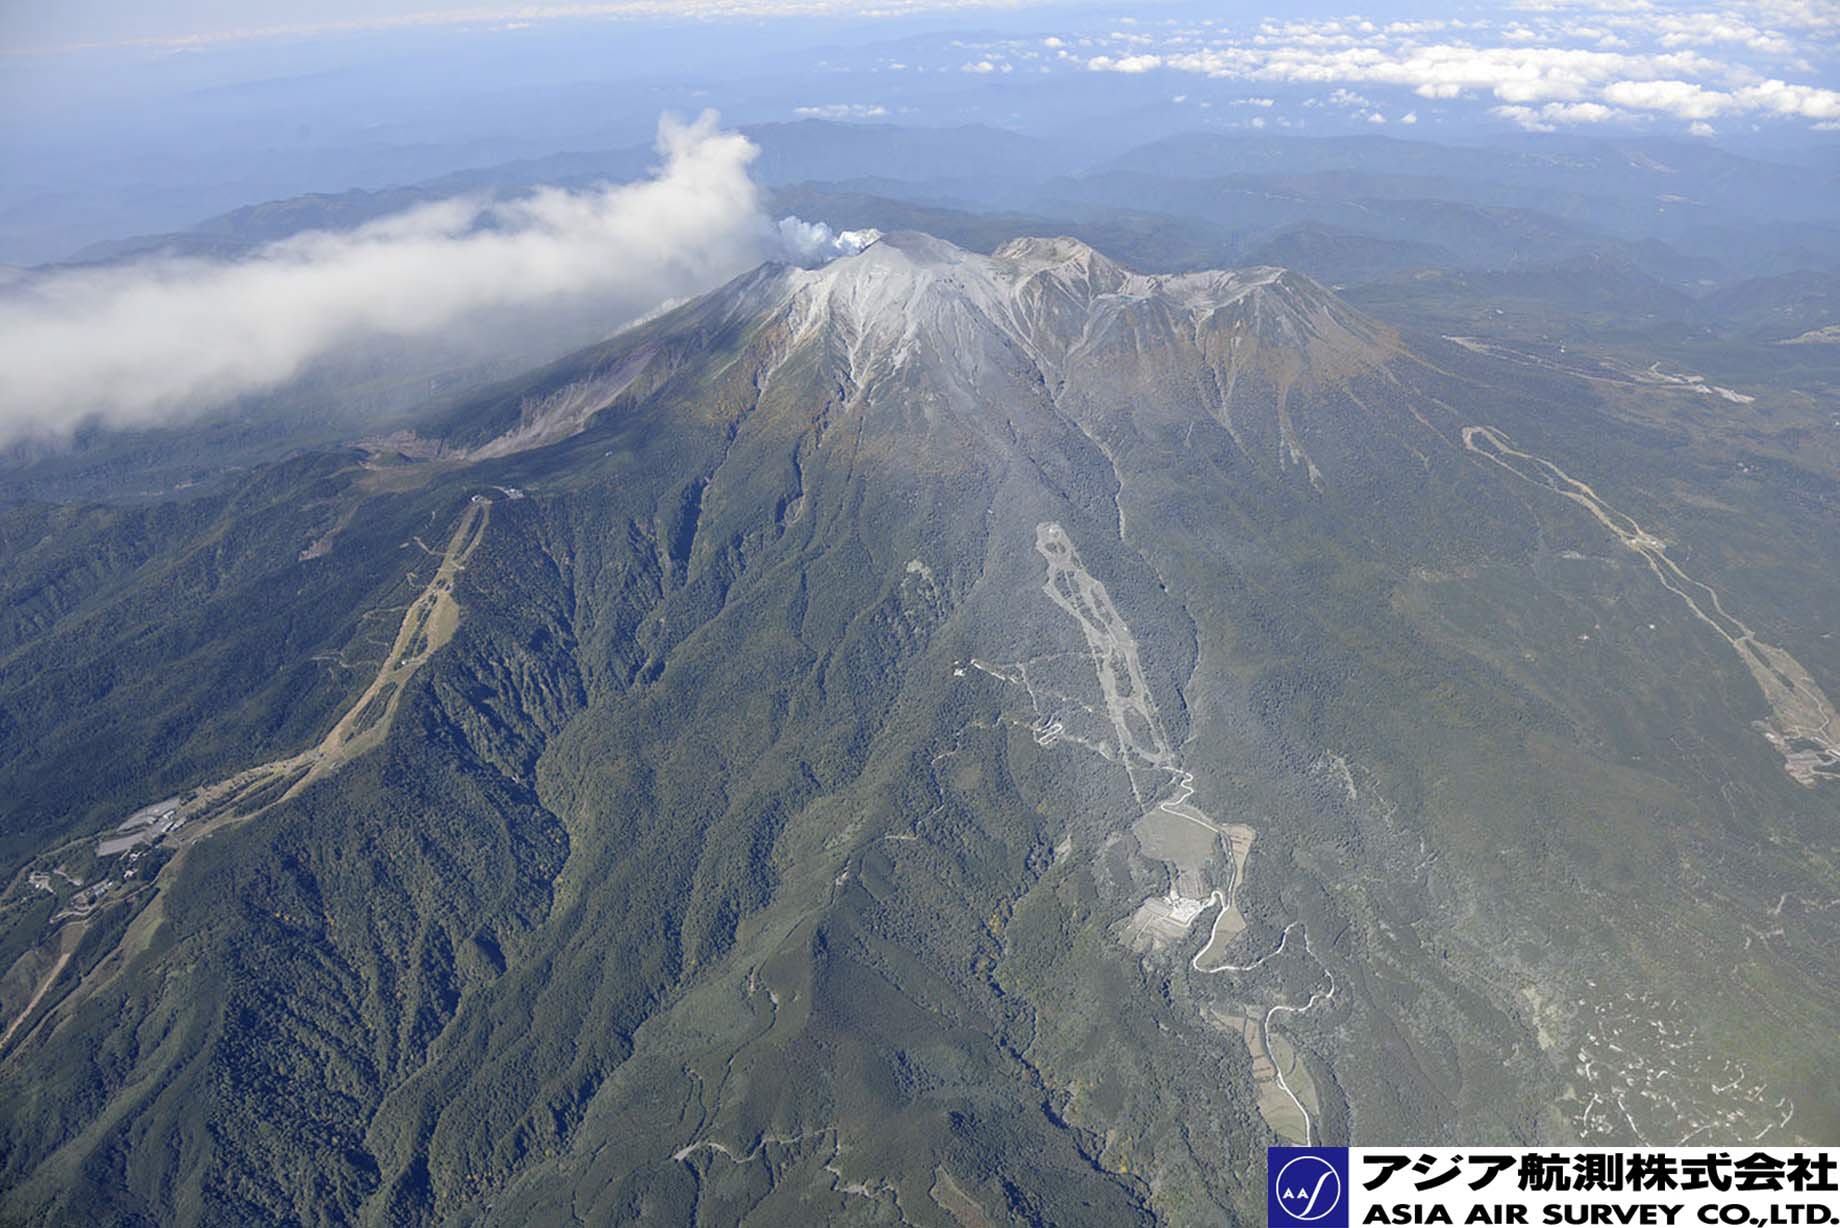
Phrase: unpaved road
(427, 625)
(1803, 726)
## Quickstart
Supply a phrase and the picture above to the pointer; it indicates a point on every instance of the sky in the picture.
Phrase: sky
(121, 118)
(1537, 65)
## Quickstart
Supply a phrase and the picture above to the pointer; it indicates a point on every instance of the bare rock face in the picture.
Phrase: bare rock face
(1059, 301)
(1280, 362)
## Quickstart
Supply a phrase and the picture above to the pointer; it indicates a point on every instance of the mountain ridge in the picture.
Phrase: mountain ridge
(1053, 301)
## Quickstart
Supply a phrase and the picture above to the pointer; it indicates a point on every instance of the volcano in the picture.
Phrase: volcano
(934, 737)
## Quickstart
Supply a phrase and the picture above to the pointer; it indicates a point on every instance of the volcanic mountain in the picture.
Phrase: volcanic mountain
(936, 738)
(1039, 318)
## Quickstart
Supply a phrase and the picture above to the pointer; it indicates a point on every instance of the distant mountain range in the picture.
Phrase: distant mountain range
(1482, 207)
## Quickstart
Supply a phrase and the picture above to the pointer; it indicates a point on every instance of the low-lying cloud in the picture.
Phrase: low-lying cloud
(1562, 62)
(164, 340)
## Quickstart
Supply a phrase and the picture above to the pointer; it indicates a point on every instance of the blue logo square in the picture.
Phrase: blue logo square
(1306, 1187)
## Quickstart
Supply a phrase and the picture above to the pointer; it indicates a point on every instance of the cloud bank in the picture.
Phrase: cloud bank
(1567, 62)
(161, 341)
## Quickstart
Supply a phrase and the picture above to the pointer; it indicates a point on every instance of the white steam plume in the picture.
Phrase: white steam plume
(815, 242)
(160, 341)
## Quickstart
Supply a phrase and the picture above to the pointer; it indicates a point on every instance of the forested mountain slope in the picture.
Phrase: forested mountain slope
(936, 738)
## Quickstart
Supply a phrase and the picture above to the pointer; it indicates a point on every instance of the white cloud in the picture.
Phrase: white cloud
(1578, 112)
(1125, 64)
(1681, 98)
(1547, 118)
(1702, 129)
(1689, 100)
(1410, 117)
(1526, 117)
(168, 339)
(1576, 53)
(842, 110)
(1707, 28)
(1447, 70)
(1803, 14)
(1807, 101)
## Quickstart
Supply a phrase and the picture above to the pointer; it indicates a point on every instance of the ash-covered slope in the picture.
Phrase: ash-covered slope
(1268, 354)
(1113, 340)
(942, 738)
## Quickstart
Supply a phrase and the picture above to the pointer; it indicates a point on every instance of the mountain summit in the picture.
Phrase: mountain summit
(1058, 300)
(1268, 354)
